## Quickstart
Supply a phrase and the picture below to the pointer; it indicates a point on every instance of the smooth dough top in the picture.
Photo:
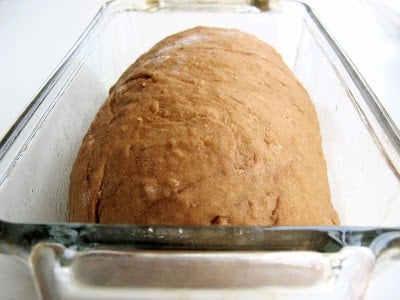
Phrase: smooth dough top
(208, 127)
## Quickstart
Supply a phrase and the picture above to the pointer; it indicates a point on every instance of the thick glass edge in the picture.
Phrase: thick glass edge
(19, 239)
(193, 5)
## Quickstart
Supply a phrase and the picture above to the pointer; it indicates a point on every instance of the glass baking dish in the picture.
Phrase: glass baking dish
(91, 261)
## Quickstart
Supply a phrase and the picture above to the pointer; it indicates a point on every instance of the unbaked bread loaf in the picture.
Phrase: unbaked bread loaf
(208, 127)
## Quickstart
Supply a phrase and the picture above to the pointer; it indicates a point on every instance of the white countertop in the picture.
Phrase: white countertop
(35, 36)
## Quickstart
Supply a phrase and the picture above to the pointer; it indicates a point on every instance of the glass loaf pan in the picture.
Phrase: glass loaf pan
(88, 261)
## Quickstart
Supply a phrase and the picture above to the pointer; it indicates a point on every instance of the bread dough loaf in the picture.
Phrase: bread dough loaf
(208, 127)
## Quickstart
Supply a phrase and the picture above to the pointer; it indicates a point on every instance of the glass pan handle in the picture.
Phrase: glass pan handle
(63, 273)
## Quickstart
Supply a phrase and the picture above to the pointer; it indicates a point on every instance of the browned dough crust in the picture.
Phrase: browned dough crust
(208, 127)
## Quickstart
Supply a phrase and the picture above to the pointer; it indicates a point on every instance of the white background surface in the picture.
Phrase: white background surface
(35, 36)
